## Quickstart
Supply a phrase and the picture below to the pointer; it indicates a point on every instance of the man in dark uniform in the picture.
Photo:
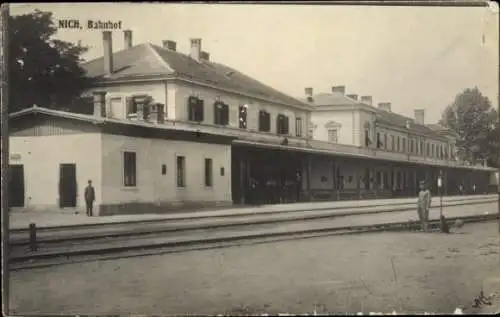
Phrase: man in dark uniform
(89, 198)
(298, 184)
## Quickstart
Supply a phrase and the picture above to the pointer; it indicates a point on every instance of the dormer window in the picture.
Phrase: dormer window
(282, 124)
(195, 109)
(264, 121)
(221, 113)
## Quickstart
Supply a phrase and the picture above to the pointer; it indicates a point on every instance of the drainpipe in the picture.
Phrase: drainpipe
(4, 17)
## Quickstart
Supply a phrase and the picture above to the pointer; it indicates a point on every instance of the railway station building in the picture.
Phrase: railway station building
(171, 131)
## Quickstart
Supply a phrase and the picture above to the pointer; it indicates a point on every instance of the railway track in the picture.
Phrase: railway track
(341, 211)
(71, 249)
(82, 233)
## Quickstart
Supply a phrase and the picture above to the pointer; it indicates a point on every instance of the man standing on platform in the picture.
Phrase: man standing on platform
(298, 184)
(424, 204)
(89, 198)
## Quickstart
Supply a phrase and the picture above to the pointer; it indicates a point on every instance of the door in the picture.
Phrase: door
(67, 185)
(16, 186)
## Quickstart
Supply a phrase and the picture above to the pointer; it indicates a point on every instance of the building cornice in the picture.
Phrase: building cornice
(394, 128)
(358, 106)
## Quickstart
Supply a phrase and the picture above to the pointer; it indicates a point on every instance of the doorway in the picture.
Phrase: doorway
(16, 186)
(67, 185)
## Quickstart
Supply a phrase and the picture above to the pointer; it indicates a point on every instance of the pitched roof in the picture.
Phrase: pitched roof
(390, 118)
(151, 61)
(97, 120)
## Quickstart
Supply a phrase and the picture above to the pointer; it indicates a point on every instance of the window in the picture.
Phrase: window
(385, 141)
(398, 144)
(333, 135)
(242, 115)
(433, 153)
(282, 124)
(379, 141)
(131, 106)
(393, 143)
(85, 103)
(221, 113)
(195, 109)
(367, 138)
(422, 148)
(208, 173)
(404, 145)
(129, 169)
(427, 149)
(163, 169)
(298, 127)
(412, 146)
(181, 171)
(264, 121)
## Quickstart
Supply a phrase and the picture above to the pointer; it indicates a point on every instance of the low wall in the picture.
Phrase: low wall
(158, 208)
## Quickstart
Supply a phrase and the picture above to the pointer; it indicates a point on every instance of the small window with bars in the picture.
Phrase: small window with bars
(333, 135)
(129, 169)
(298, 127)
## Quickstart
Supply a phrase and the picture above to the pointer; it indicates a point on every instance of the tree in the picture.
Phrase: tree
(475, 123)
(43, 70)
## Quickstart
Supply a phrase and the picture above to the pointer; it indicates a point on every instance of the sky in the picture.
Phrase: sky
(413, 57)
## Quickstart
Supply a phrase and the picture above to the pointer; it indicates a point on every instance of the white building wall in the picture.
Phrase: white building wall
(152, 186)
(346, 119)
(156, 90)
(41, 157)
(209, 96)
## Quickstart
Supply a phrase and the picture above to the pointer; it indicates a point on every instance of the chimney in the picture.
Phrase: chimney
(108, 52)
(419, 116)
(309, 94)
(205, 56)
(195, 49)
(353, 96)
(170, 45)
(367, 100)
(127, 38)
(142, 107)
(100, 104)
(385, 106)
(340, 89)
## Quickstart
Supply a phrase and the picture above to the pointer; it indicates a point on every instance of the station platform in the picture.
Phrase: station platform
(21, 220)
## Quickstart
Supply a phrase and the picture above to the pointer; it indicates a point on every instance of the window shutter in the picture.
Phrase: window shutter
(191, 107)
(216, 113)
(225, 109)
(200, 110)
(129, 105)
